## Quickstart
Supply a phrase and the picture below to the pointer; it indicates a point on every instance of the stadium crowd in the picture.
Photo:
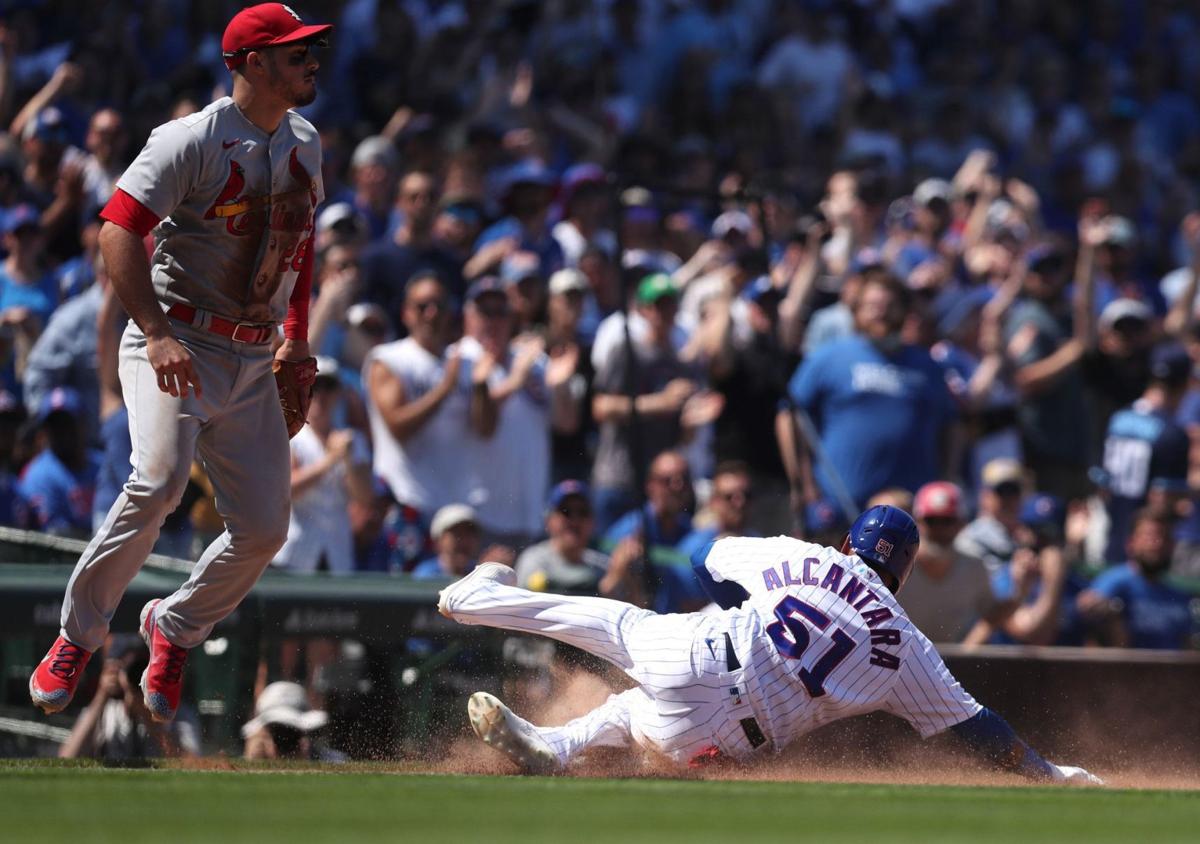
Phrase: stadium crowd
(600, 280)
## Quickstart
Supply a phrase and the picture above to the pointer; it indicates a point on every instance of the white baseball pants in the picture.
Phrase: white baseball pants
(236, 426)
(682, 706)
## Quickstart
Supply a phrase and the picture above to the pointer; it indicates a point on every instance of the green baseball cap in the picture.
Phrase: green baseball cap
(654, 287)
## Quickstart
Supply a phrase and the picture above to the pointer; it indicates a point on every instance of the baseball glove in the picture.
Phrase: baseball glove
(294, 379)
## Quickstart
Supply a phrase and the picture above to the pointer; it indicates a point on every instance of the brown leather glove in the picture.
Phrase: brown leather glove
(294, 379)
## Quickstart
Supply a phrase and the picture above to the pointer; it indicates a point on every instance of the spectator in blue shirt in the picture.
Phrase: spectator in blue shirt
(1130, 605)
(59, 482)
(881, 407)
(653, 535)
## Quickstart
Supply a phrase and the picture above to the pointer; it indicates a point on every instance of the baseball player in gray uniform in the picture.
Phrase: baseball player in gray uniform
(229, 194)
(809, 634)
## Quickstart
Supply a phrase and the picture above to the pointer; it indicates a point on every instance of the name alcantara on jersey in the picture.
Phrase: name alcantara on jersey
(853, 592)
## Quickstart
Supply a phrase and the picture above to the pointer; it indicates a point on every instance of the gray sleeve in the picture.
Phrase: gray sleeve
(165, 171)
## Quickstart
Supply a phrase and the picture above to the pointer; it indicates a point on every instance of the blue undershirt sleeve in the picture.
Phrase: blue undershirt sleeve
(990, 736)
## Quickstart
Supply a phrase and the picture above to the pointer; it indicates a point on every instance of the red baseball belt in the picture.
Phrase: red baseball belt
(255, 333)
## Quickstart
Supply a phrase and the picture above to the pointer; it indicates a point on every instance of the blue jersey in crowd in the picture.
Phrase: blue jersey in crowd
(60, 501)
(1187, 416)
(880, 416)
(1143, 444)
(677, 589)
(1156, 615)
(1070, 624)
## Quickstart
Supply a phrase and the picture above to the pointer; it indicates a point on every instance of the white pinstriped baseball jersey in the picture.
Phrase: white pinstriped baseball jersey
(821, 638)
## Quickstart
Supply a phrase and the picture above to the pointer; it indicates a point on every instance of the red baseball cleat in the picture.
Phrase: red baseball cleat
(162, 681)
(53, 683)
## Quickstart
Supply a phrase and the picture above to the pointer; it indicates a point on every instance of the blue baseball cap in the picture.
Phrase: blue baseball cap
(761, 291)
(519, 266)
(484, 285)
(1042, 511)
(566, 489)
(60, 398)
(823, 516)
(1169, 363)
(529, 172)
(48, 125)
(21, 216)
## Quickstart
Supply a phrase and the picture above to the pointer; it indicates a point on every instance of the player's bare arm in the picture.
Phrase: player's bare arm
(129, 268)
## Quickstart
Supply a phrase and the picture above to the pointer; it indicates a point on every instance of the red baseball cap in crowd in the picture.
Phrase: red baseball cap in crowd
(265, 25)
(938, 500)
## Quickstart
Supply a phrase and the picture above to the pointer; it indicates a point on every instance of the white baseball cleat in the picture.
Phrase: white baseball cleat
(512, 735)
(1070, 775)
(496, 572)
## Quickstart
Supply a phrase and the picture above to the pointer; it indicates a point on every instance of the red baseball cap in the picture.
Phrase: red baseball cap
(938, 499)
(265, 25)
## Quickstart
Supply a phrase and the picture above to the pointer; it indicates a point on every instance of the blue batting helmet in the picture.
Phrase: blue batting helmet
(886, 538)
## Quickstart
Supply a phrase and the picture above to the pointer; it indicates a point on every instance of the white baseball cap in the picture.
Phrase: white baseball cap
(450, 516)
(284, 703)
(568, 280)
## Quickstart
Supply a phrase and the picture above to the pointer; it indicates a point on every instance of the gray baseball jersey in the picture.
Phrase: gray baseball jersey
(214, 178)
(235, 207)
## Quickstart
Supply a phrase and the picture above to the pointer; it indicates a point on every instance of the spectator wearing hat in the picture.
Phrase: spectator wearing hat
(28, 294)
(58, 484)
(373, 167)
(1116, 369)
(1045, 358)
(991, 535)
(339, 224)
(973, 362)
(517, 395)
(115, 725)
(329, 467)
(948, 591)
(1145, 443)
(847, 386)
(585, 212)
(54, 170)
(457, 226)
(285, 726)
(564, 563)
(417, 409)
(1130, 605)
(655, 400)
(527, 192)
(390, 262)
(570, 293)
(642, 233)
(1039, 582)
(525, 286)
(456, 540)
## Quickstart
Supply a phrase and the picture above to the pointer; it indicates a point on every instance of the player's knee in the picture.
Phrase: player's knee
(261, 536)
(161, 494)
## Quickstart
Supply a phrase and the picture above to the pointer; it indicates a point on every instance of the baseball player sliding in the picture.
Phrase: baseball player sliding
(229, 193)
(809, 634)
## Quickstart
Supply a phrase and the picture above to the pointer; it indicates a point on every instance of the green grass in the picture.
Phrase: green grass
(78, 804)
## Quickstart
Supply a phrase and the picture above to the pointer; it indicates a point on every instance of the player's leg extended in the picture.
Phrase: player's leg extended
(163, 432)
(245, 452)
(651, 648)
